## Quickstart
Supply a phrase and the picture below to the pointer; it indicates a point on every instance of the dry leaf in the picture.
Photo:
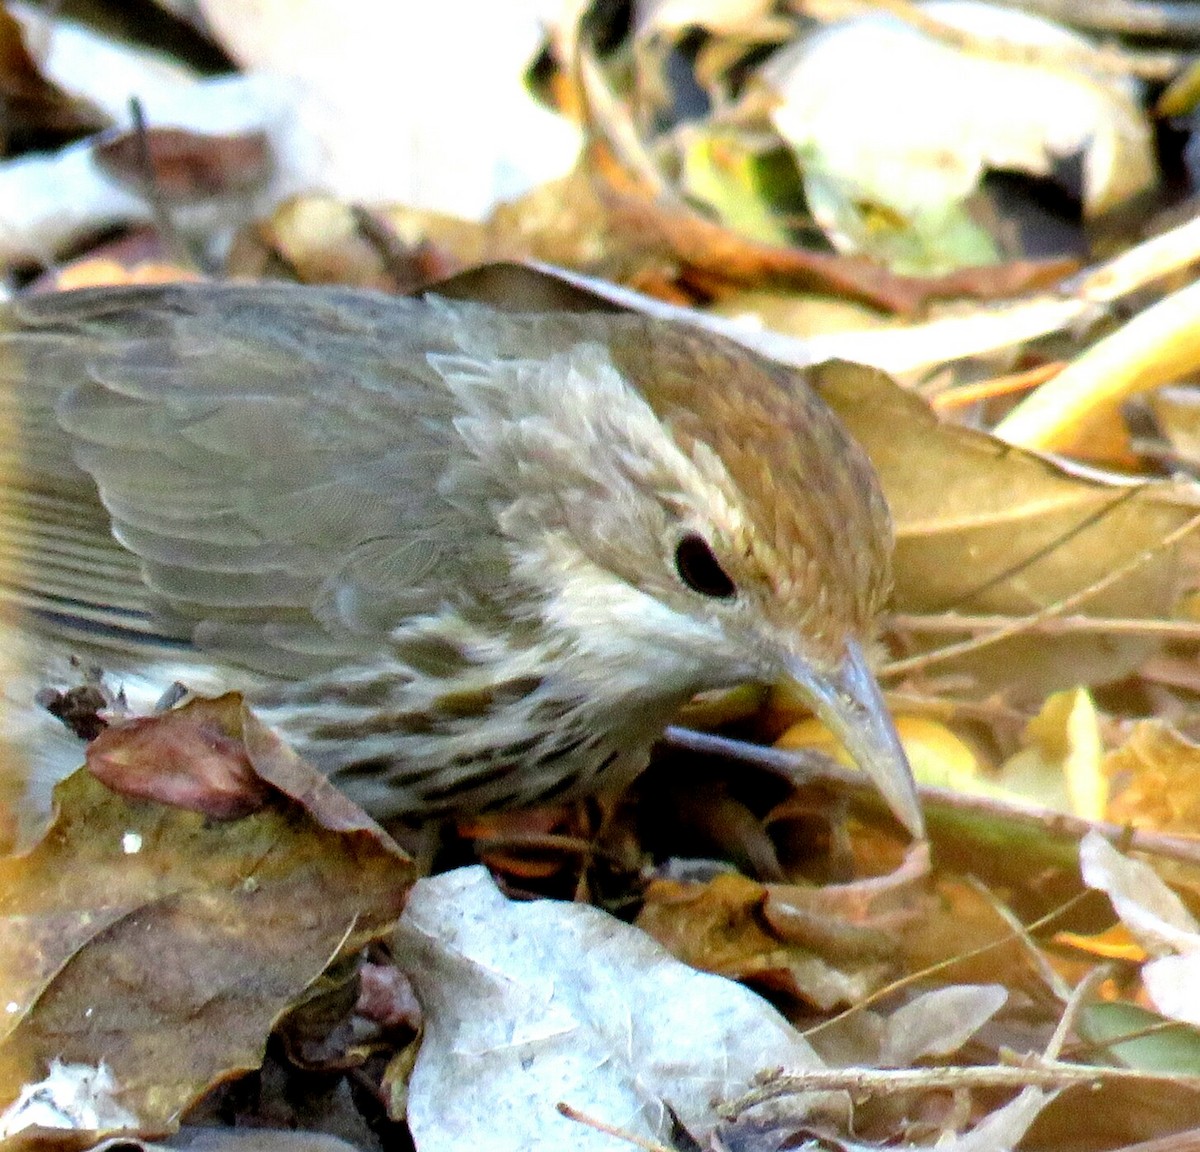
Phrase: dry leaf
(828, 946)
(1060, 767)
(984, 527)
(715, 257)
(899, 123)
(716, 927)
(531, 1003)
(184, 165)
(1155, 779)
(938, 1023)
(188, 758)
(1157, 918)
(321, 240)
(167, 945)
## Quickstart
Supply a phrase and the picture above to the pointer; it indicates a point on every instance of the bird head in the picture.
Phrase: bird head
(690, 516)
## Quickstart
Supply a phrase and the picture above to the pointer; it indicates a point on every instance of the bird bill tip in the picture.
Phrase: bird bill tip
(851, 706)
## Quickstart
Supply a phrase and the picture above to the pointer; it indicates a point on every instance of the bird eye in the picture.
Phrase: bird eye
(700, 570)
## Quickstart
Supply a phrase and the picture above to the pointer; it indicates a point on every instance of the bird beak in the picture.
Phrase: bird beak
(852, 708)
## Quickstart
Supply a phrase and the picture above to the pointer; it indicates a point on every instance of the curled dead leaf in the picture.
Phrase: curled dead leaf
(190, 757)
(184, 165)
(828, 946)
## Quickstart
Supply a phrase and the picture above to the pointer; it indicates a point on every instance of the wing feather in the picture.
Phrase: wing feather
(269, 456)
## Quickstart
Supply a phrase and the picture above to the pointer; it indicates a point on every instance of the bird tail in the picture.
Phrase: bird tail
(71, 599)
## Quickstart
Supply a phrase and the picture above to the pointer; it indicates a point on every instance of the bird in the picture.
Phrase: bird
(462, 558)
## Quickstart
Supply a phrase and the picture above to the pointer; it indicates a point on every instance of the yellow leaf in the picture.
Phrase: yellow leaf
(1060, 767)
(1113, 943)
(936, 754)
(1155, 777)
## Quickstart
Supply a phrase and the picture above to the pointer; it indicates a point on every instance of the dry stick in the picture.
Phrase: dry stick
(1023, 624)
(1051, 1075)
(806, 768)
(608, 1130)
(1055, 626)
(1107, 60)
(1010, 937)
(1079, 997)
(966, 394)
(152, 194)
(1046, 1071)
(1172, 21)
(604, 119)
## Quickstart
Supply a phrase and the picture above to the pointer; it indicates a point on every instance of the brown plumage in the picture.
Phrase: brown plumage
(463, 558)
(807, 488)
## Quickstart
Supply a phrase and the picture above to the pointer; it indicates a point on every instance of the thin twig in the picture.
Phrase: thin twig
(1109, 1043)
(151, 190)
(1024, 624)
(1078, 1001)
(929, 970)
(1105, 60)
(807, 767)
(943, 622)
(965, 394)
(1024, 936)
(1049, 1074)
(606, 120)
(608, 1130)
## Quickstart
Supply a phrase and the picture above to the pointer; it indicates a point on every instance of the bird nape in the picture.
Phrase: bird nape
(461, 558)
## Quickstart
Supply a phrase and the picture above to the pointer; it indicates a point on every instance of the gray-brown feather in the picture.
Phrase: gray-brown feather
(337, 490)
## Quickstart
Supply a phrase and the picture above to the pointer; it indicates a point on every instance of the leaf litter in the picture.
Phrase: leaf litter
(159, 945)
(1039, 655)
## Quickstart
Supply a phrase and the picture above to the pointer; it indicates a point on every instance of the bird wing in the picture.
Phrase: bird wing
(268, 457)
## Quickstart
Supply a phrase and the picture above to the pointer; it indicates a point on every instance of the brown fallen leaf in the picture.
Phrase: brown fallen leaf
(837, 914)
(569, 223)
(167, 945)
(188, 758)
(1155, 776)
(830, 946)
(137, 256)
(183, 165)
(714, 257)
(36, 111)
(321, 240)
(985, 527)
